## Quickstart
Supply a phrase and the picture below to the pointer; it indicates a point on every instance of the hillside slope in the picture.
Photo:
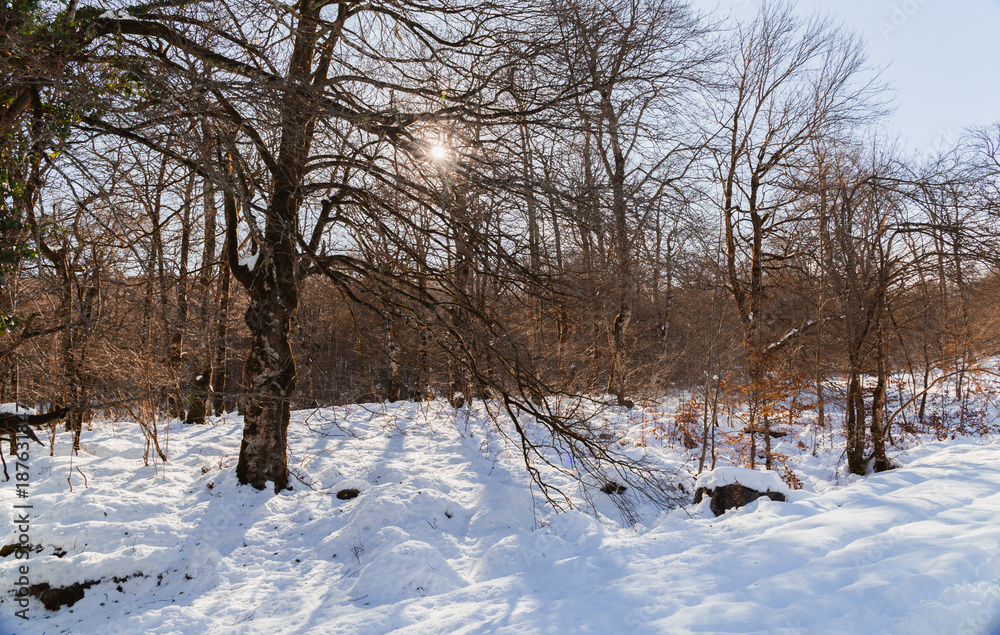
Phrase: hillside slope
(446, 537)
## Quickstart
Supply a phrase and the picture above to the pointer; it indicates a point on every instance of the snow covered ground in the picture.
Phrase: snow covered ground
(446, 537)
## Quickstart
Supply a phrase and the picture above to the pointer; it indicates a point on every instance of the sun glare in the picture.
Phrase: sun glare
(438, 152)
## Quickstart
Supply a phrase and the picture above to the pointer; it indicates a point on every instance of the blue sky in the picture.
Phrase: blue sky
(941, 57)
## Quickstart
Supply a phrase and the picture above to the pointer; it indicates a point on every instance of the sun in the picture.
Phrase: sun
(439, 152)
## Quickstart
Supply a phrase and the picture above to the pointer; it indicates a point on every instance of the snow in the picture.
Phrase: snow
(785, 338)
(446, 537)
(250, 261)
(761, 481)
(408, 570)
(15, 409)
(115, 15)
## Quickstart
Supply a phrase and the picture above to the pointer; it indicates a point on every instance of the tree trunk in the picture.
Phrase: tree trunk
(269, 373)
(219, 380)
(270, 377)
(394, 389)
(616, 380)
(201, 384)
(622, 252)
(74, 420)
(927, 378)
(855, 425)
(457, 211)
(880, 461)
(767, 442)
(176, 353)
(820, 400)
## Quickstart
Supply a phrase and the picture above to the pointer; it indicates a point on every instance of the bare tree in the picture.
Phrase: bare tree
(787, 83)
(331, 100)
(637, 64)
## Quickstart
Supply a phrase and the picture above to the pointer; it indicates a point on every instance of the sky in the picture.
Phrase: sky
(940, 57)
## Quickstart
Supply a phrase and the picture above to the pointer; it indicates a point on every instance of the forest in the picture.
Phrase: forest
(547, 208)
(218, 205)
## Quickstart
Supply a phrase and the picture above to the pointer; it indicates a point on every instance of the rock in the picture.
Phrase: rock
(54, 598)
(611, 487)
(732, 487)
(731, 496)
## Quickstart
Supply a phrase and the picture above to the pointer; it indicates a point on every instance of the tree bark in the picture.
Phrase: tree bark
(201, 383)
(855, 425)
(880, 461)
(270, 375)
(220, 379)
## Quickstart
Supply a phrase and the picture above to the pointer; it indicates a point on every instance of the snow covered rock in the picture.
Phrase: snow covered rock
(409, 570)
(512, 555)
(732, 487)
